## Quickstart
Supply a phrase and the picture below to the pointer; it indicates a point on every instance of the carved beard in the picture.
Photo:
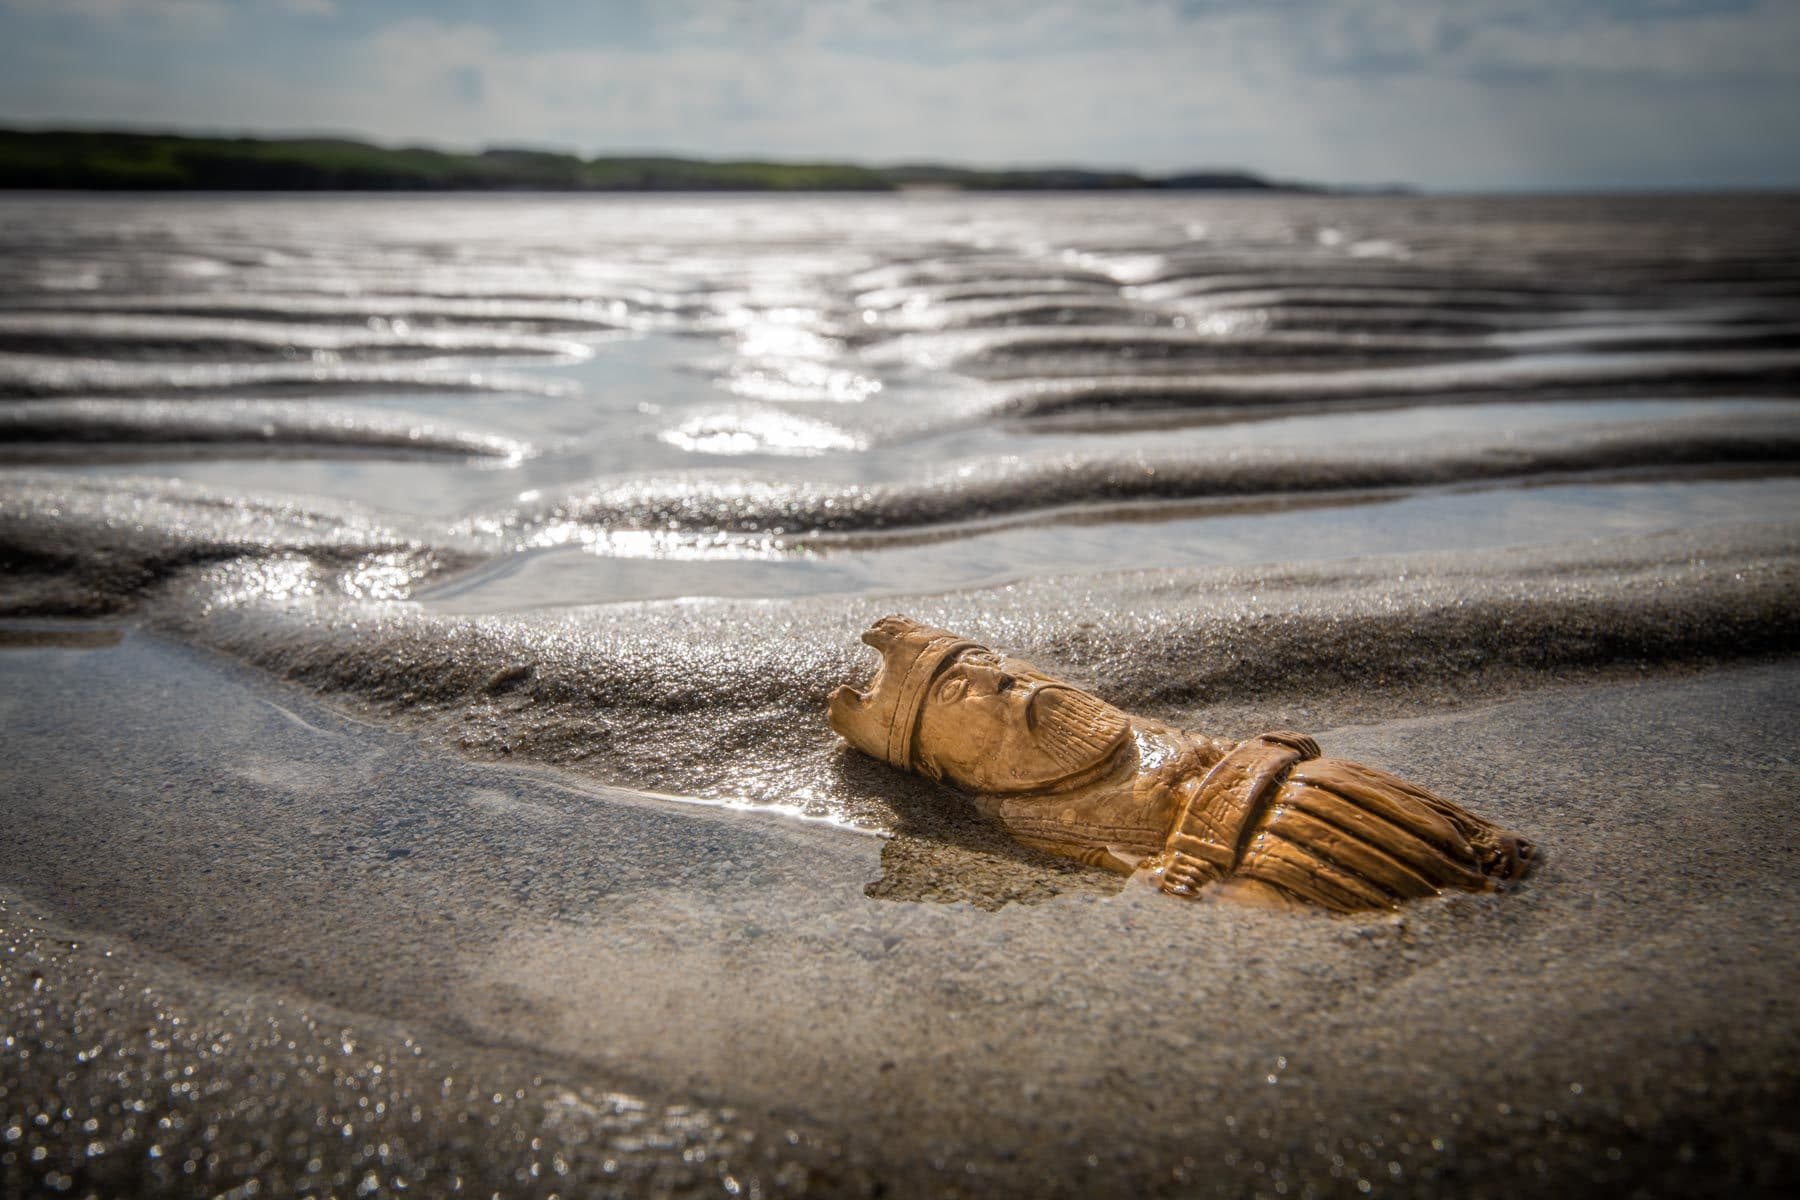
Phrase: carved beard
(1074, 729)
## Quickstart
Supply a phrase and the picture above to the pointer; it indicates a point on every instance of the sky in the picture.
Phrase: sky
(1443, 94)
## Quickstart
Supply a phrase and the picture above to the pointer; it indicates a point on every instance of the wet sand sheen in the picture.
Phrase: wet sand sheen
(538, 500)
(614, 565)
(534, 992)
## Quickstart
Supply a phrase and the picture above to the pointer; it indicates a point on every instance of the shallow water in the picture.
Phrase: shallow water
(855, 340)
(627, 566)
(389, 411)
(350, 424)
(599, 492)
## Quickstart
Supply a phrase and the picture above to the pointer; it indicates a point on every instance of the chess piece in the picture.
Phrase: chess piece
(1266, 821)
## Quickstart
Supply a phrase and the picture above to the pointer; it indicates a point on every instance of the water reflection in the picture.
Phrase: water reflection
(734, 434)
(634, 565)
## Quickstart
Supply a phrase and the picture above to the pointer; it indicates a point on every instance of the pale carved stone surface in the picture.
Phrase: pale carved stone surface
(1266, 820)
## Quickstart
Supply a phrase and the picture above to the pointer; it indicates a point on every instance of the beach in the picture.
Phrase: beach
(418, 615)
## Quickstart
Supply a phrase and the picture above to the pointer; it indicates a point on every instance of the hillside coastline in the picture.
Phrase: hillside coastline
(116, 161)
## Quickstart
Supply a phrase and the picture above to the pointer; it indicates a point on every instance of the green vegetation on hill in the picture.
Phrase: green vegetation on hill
(169, 162)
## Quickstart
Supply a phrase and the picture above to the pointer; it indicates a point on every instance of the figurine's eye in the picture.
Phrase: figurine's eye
(952, 689)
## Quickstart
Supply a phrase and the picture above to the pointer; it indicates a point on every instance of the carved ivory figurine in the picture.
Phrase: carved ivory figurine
(1265, 820)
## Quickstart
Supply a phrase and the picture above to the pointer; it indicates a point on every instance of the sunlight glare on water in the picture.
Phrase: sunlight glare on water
(900, 367)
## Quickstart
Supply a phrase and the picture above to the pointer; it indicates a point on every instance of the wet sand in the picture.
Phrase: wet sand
(347, 952)
(416, 618)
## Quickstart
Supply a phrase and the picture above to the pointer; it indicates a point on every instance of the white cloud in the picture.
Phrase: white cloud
(1466, 93)
(1235, 89)
(104, 11)
(171, 11)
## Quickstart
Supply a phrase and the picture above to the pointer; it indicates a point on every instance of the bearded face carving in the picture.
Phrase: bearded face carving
(990, 724)
(1266, 820)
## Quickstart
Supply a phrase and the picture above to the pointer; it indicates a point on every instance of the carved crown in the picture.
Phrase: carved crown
(882, 720)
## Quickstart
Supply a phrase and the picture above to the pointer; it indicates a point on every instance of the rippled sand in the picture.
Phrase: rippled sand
(580, 505)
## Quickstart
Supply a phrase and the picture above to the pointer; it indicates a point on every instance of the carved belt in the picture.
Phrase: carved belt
(1219, 811)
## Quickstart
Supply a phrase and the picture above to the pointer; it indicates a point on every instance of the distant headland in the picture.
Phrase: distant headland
(114, 161)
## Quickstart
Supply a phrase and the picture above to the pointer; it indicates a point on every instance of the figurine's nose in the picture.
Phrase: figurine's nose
(997, 679)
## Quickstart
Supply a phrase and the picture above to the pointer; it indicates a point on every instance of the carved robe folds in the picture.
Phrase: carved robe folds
(1328, 832)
